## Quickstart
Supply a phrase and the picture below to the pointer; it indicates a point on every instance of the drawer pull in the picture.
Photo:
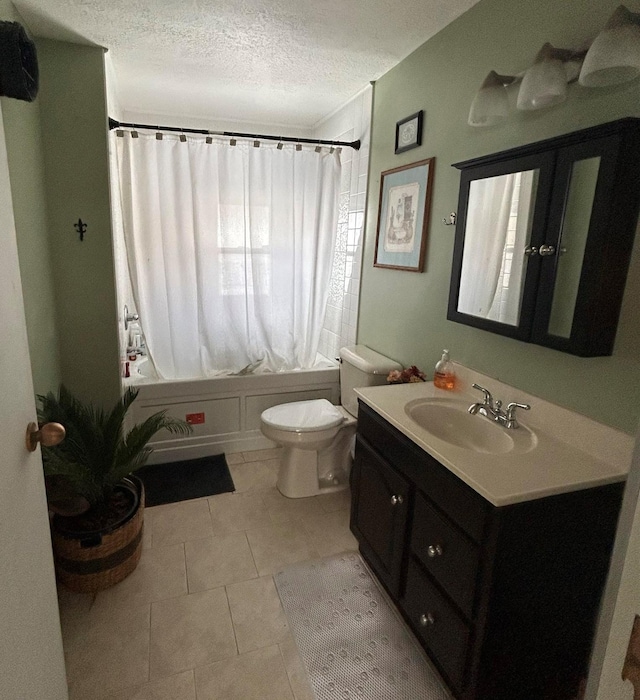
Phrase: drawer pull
(427, 619)
(396, 500)
(434, 551)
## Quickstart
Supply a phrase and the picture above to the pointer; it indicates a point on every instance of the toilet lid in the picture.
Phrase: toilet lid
(303, 416)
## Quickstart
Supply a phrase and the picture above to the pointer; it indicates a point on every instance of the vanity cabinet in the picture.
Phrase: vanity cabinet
(504, 600)
(544, 238)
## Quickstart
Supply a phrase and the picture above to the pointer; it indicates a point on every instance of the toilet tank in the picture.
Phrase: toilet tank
(361, 366)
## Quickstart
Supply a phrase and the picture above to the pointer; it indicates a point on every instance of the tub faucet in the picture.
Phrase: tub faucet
(129, 318)
(493, 411)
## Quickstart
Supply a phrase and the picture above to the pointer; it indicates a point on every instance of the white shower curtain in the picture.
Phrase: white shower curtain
(488, 213)
(508, 297)
(229, 250)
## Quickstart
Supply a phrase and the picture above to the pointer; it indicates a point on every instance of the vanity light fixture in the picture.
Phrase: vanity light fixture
(614, 56)
(491, 103)
(544, 84)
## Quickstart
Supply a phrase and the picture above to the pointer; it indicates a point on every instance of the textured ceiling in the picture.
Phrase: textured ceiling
(287, 62)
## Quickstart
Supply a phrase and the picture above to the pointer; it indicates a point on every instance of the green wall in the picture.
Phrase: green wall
(57, 151)
(403, 314)
(74, 139)
(24, 151)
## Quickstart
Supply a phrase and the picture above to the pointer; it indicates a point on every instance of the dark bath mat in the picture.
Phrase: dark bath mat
(181, 481)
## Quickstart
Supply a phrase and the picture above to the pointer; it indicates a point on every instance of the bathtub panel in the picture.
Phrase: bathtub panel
(220, 416)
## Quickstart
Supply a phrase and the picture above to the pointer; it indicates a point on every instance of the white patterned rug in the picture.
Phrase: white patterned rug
(353, 643)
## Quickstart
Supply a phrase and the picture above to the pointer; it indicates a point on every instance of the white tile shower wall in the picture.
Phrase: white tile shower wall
(351, 122)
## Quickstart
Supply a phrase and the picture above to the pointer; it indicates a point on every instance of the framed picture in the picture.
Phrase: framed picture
(403, 216)
(409, 132)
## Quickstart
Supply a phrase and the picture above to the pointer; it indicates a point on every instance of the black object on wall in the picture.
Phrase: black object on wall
(81, 228)
(18, 63)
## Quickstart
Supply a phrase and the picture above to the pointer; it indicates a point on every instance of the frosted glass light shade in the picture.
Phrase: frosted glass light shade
(614, 56)
(491, 103)
(545, 82)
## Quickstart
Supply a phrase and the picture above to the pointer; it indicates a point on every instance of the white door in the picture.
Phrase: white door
(31, 657)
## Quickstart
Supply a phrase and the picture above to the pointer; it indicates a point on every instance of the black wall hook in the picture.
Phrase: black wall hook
(81, 227)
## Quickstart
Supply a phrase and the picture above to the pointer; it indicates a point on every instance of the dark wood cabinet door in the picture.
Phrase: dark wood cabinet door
(592, 226)
(381, 501)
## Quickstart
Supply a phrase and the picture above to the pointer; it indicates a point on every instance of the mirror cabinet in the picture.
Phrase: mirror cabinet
(544, 236)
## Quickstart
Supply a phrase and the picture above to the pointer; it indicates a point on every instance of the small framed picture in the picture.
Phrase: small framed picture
(403, 216)
(409, 132)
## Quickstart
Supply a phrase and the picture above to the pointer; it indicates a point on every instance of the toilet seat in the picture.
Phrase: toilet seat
(303, 416)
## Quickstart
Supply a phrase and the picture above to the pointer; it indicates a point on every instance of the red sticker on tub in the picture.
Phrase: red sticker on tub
(195, 418)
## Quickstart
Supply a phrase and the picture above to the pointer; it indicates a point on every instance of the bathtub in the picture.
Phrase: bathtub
(224, 411)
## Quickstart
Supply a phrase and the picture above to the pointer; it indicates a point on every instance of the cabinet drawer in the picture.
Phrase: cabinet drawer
(436, 622)
(446, 553)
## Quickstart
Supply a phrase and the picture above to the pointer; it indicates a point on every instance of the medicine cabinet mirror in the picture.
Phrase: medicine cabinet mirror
(544, 236)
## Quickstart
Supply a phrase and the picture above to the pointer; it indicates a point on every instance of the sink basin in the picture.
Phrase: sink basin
(450, 421)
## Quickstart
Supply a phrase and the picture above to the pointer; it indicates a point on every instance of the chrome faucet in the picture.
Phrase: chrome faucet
(493, 410)
(486, 408)
(510, 414)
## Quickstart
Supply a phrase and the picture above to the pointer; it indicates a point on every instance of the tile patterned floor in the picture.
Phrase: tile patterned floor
(200, 618)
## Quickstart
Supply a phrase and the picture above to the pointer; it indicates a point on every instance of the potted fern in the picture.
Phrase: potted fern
(97, 501)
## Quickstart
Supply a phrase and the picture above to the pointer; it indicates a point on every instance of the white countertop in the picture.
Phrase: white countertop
(572, 452)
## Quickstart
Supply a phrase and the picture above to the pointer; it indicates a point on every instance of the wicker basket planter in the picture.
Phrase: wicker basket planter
(98, 504)
(88, 562)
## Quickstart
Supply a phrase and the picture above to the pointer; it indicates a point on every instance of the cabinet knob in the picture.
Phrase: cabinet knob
(434, 551)
(427, 619)
(546, 250)
(396, 500)
(530, 251)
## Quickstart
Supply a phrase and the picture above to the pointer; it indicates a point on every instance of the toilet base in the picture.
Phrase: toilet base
(290, 490)
(306, 473)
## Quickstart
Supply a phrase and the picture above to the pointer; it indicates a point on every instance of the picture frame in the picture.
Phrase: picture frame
(403, 216)
(409, 132)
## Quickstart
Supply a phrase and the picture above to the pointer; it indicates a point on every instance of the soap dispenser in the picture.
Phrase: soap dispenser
(444, 376)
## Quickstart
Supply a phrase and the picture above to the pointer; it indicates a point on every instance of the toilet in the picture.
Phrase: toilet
(317, 437)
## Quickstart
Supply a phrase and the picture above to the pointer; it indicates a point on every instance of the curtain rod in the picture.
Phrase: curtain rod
(113, 124)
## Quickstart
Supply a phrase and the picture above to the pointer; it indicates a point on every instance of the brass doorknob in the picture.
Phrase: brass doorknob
(50, 434)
